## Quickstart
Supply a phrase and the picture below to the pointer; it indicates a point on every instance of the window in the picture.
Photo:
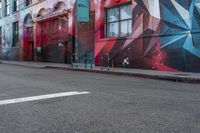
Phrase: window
(0, 9)
(118, 21)
(16, 5)
(0, 36)
(7, 7)
(15, 34)
(28, 2)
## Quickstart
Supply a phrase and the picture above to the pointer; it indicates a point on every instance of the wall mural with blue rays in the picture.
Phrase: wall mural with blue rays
(169, 39)
(181, 19)
(165, 34)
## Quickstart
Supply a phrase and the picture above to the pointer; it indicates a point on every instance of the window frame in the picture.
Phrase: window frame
(29, 2)
(15, 5)
(1, 37)
(107, 23)
(15, 34)
(7, 7)
(0, 8)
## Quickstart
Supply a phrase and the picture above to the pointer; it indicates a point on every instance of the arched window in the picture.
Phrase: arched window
(42, 12)
(59, 6)
(28, 2)
(28, 21)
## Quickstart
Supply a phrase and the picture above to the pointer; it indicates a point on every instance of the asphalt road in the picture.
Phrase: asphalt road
(116, 104)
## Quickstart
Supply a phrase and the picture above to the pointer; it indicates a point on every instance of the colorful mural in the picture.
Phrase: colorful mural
(36, 24)
(164, 34)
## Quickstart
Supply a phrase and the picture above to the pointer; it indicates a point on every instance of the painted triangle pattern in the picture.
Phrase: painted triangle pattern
(166, 36)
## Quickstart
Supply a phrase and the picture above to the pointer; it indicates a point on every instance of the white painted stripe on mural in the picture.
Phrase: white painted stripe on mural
(41, 97)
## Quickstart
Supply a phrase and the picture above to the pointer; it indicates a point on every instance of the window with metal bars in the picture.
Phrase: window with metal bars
(15, 34)
(16, 5)
(0, 9)
(0, 36)
(28, 2)
(7, 7)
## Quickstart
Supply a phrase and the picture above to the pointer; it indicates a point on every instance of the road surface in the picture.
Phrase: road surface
(34, 100)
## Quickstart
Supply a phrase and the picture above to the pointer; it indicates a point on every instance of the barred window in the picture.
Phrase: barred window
(7, 7)
(0, 9)
(15, 34)
(0, 36)
(16, 5)
(28, 2)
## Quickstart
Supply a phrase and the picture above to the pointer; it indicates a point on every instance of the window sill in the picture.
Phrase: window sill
(6, 16)
(15, 12)
(115, 38)
(15, 47)
(27, 6)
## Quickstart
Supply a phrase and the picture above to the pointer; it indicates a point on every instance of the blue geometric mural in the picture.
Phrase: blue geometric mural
(181, 23)
(182, 19)
(165, 36)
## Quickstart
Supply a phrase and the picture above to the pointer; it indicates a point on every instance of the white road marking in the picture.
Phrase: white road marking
(41, 97)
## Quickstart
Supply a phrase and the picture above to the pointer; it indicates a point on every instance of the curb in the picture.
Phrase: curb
(22, 65)
(118, 73)
(161, 77)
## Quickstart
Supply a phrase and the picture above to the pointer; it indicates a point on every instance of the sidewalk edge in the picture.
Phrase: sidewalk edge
(162, 77)
(131, 74)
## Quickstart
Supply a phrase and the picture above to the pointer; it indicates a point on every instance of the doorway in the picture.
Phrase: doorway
(28, 39)
(85, 41)
(54, 34)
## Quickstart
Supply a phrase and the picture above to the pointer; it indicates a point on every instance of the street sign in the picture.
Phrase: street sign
(82, 10)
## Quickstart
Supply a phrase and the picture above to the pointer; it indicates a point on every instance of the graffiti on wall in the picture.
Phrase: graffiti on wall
(165, 33)
(165, 36)
(54, 34)
(43, 10)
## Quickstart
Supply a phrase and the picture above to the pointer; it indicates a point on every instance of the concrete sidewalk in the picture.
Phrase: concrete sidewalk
(153, 74)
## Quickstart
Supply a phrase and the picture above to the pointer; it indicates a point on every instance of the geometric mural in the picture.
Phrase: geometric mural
(182, 17)
(166, 36)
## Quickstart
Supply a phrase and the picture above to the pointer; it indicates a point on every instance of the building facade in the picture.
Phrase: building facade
(157, 34)
(28, 27)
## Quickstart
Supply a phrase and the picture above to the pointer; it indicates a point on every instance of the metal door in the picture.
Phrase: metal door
(30, 44)
(54, 36)
(85, 40)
